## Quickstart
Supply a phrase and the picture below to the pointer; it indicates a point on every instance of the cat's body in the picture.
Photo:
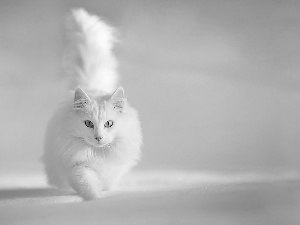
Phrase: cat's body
(94, 136)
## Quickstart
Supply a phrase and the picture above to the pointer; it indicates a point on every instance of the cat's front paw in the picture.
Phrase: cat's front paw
(89, 196)
(85, 182)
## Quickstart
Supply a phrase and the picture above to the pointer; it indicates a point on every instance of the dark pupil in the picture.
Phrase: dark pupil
(89, 124)
(109, 123)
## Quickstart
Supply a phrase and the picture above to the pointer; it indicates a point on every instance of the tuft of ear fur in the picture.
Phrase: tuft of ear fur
(81, 99)
(118, 99)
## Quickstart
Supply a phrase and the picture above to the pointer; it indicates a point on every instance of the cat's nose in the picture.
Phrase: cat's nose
(98, 138)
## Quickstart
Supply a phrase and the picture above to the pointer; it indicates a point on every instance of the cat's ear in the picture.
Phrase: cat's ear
(118, 99)
(81, 99)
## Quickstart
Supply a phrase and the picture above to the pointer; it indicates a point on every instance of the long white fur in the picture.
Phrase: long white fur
(72, 157)
(90, 52)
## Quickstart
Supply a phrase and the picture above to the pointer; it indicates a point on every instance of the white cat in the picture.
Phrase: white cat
(94, 137)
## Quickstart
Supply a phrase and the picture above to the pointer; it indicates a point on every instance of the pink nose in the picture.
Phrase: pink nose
(98, 138)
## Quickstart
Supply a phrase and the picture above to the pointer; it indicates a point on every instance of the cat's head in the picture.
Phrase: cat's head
(98, 120)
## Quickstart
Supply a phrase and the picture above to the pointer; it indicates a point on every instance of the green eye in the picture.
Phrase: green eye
(108, 123)
(89, 124)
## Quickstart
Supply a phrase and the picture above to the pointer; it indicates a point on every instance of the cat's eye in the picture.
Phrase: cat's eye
(108, 123)
(89, 124)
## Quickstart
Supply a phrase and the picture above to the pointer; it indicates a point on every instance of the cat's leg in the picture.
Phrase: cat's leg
(85, 182)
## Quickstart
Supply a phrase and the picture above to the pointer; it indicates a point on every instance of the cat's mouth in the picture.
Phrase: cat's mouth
(98, 145)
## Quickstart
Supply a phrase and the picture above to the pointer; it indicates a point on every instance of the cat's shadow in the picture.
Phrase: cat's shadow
(6, 194)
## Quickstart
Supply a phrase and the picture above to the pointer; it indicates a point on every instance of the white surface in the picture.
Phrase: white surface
(157, 197)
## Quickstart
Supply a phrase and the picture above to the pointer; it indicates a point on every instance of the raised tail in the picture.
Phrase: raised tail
(89, 58)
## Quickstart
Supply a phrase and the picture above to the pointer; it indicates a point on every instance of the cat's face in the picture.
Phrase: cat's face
(98, 121)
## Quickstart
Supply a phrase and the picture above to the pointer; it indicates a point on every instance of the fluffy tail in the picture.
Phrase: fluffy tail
(89, 58)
